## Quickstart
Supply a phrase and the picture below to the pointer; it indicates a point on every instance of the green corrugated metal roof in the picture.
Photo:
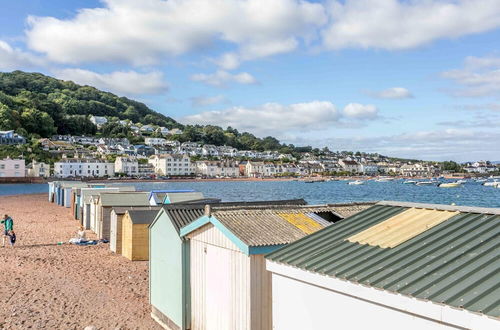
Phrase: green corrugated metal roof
(124, 199)
(456, 263)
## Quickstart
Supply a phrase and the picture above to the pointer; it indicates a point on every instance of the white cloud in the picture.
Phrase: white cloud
(223, 78)
(361, 111)
(202, 101)
(487, 106)
(280, 120)
(480, 77)
(16, 59)
(119, 82)
(393, 24)
(392, 93)
(272, 118)
(141, 32)
(455, 144)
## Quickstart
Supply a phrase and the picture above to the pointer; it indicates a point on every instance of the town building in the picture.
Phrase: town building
(98, 121)
(255, 169)
(127, 165)
(416, 169)
(171, 164)
(10, 168)
(393, 266)
(351, 166)
(76, 167)
(9, 137)
(214, 169)
(155, 141)
(38, 169)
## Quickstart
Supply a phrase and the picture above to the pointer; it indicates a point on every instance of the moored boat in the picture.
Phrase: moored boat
(450, 185)
(357, 182)
(425, 183)
(410, 182)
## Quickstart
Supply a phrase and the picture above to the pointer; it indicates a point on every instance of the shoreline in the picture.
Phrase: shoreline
(242, 179)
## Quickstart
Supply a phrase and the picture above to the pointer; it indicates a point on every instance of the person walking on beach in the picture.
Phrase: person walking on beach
(8, 225)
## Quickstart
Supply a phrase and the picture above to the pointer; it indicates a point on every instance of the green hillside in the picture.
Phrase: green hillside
(32, 103)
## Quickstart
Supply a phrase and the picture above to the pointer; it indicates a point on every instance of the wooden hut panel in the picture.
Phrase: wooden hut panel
(220, 276)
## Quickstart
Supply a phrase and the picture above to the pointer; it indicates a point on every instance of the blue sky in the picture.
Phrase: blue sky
(404, 78)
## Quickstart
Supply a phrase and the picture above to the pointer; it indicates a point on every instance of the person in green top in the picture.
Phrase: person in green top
(8, 225)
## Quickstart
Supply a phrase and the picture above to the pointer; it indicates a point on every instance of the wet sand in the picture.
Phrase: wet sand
(45, 285)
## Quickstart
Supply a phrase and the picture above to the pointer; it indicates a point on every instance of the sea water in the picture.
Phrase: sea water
(470, 194)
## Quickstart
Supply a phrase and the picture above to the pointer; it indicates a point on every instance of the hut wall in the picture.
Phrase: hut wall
(167, 285)
(127, 237)
(86, 215)
(115, 232)
(104, 222)
(140, 242)
(220, 281)
(261, 294)
(67, 197)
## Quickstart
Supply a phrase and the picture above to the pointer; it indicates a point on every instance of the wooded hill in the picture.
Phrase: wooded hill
(32, 103)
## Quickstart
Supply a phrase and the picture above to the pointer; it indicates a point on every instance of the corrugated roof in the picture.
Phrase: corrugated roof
(456, 262)
(142, 217)
(401, 227)
(270, 225)
(182, 197)
(124, 199)
(123, 209)
(183, 214)
(348, 209)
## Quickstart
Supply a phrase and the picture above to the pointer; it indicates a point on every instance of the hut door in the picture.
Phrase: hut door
(218, 289)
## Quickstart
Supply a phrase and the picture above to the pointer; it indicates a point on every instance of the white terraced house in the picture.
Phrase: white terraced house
(171, 165)
(76, 167)
(12, 168)
(155, 141)
(127, 165)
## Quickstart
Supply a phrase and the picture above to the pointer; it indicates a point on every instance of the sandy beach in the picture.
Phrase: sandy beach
(50, 286)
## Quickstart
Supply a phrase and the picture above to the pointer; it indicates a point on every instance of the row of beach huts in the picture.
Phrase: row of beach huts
(284, 264)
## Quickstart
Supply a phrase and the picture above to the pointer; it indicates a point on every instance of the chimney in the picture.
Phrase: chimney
(208, 210)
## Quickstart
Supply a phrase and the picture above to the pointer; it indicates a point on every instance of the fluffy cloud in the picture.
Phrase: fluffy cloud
(272, 118)
(16, 59)
(456, 144)
(223, 78)
(141, 32)
(393, 24)
(479, 77)
(202, 101)
(119, 82)
(361, 111)
(280, 120)
(392, 93)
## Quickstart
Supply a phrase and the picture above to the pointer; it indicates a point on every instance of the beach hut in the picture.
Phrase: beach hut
(181, 197)
(393, 266)
(84, 199)
(105, 203)
(169, 260)
(227, 265)
(115, 231)
(135, 235)
(156, 197)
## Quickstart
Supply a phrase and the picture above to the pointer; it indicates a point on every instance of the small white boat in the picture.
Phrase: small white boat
(481, 180)
(384, 179)
(490, 183)
(461, 181)
(424, 183)
(357, 182)
(450, 185)
(410, 182)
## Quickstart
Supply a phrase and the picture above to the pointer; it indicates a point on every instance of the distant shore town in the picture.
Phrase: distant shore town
(161, 158)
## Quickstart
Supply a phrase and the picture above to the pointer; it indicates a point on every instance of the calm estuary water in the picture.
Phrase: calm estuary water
(471, 193)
